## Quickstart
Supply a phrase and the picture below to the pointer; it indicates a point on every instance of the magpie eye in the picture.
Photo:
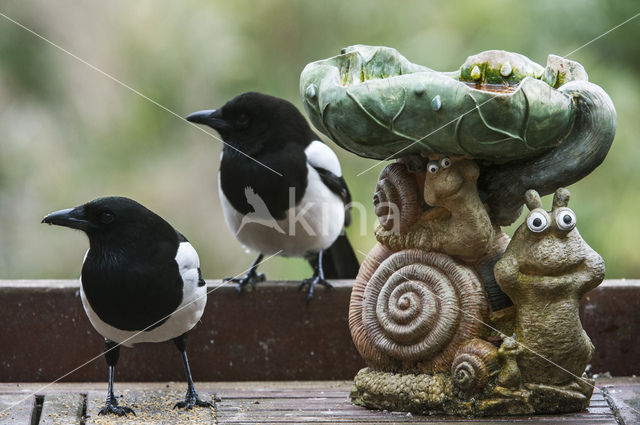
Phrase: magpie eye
(432, 167)
(566, 220)
(537, 222)
(242, 120)
(445, 163)
(107, 217)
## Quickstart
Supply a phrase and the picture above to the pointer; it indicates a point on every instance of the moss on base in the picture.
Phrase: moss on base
(435, 394)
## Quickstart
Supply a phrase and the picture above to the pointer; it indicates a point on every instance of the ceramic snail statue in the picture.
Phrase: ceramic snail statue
(437, 295)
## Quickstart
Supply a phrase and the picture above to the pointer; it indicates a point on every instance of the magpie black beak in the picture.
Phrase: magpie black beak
(71, 217)
(211, 117)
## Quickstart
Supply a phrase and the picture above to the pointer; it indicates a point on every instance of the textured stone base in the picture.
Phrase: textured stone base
(435, 394)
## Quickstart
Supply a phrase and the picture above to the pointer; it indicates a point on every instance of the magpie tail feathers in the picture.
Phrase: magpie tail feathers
(339, 260)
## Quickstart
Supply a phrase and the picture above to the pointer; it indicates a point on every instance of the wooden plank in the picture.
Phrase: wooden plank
(340, 410)
(277, 393)
(625, 399)
(288, 339)
(608, 315)
(151, 407)
(62, 409)
(278, 403)
(17, 409)
(328, 417)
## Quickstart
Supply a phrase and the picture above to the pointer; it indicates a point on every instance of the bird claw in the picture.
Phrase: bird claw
(191, 400)
(251, 278)
(312, 282)
(111, 407)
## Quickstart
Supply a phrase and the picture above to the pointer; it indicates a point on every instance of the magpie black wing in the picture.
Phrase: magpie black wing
(338, 186)
(181, 237)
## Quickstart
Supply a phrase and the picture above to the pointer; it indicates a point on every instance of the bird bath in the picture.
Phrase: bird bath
(450, 314)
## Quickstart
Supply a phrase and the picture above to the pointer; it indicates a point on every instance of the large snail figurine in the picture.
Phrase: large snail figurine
(417, 299)
(545, 270)
(413, 310)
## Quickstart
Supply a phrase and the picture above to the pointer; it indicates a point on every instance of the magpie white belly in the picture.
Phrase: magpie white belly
(183, 319)
(311, 226)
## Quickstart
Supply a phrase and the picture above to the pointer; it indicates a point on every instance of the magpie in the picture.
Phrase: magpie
(140, 282)
(281, 188)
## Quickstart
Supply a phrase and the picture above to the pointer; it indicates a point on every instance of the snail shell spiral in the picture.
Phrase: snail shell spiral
(396, 200)
(413, 309)
(475, 361)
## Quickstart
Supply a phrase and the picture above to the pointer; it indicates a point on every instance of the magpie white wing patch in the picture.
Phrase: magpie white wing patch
(185, 317)
(188, 263)
(319, 155)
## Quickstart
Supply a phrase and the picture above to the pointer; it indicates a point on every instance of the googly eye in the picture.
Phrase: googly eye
(565, 220)
(537, 221)
(445, 162)
(107, 217)
(432, 167)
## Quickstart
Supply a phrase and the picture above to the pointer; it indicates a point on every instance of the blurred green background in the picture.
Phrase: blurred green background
(69, 134)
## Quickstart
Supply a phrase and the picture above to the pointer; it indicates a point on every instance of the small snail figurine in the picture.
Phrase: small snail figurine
(545, 270)
(451, 183)
(454, 220)
(508, 353)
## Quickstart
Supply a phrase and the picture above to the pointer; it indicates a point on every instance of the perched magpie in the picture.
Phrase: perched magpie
(281, 188)
(141, 282)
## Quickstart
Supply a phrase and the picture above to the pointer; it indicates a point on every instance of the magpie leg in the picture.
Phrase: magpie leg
(317, 278)
(251, 278)
(191, 398)
(112, 354)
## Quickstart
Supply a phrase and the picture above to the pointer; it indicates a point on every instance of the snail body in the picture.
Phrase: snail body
(508, 353)
(545, 270)
(456, 223)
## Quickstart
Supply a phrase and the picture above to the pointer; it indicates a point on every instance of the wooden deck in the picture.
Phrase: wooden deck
(319, 402)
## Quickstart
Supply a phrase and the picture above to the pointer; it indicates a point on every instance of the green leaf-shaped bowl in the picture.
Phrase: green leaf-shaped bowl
(498, 107)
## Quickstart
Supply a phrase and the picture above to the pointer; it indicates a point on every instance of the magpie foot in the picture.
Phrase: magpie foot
(191, 400)
(251, 278)
(111, 407)
(312, 282)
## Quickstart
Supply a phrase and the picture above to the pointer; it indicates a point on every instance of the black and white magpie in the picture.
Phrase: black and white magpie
(281, 188)
(140, 282)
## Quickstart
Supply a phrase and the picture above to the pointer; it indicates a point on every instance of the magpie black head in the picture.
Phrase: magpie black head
(254, 121)
(111, 219)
